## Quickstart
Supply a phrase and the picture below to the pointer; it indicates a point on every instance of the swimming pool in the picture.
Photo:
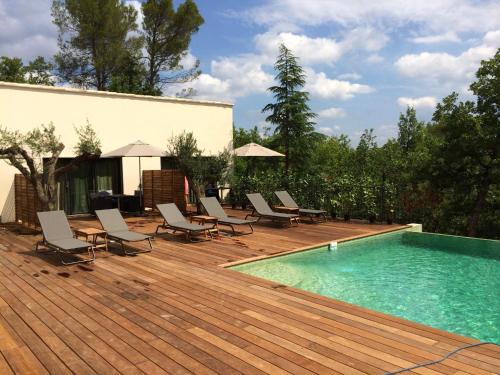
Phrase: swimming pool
(447, 282)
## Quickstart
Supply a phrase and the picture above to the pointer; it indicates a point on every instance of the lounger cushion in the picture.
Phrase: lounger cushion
(213, 207)
(308, 211)
(128, 236)
(111, 220)
(263, 209)
(55, 225)
(235, 221)
(286, 199)
(190, 226)
(171, 213)
(280, 215)
(69, 244)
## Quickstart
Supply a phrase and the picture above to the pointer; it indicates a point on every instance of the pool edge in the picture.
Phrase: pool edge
(411, 227)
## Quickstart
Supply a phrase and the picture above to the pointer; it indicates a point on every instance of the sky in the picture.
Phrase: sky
(364, 60)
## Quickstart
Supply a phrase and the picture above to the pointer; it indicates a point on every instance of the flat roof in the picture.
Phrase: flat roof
(70, 90)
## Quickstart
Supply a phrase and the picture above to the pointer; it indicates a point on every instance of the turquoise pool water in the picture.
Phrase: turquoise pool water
(451, 283)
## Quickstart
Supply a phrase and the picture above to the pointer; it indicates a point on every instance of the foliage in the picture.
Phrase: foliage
(12, 70)
(199, 170)
(88, 142)
(37, 72)
(101, 46)
(167, 34)
(95, 38)
(35, 155)
(444, 174)
(410, 129)
(290, 113)
(130, 75)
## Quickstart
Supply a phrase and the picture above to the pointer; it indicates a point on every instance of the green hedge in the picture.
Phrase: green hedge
(343, 195)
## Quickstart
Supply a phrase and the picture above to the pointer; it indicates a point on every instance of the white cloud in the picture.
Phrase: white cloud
(364, 38)
(424, 102)
(211, 87)
(374, 58)
(188, 61)
(449, 36)
(244, 74)
(319, 85)
(319, 50)
(436, 16)
(325, 130)
(350, 76)
(492, 38)
(309, 50)
(237, 76)
(445, 68)
(330, 113)
(385, 132)
(26, 29)
(229, 78)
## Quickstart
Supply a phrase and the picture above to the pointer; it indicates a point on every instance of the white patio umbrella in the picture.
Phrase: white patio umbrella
(253, 149)
(136, 149)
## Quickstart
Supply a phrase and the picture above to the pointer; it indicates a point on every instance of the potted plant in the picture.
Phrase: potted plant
(369, 200)
(390, 202)
(334, 205)
(347, 202)
(390, 217)
(346, 196)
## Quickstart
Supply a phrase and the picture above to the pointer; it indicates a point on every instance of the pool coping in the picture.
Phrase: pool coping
(411, 227)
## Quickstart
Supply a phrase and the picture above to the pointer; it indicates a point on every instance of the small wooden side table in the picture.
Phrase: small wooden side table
(93, 233)
(286, 210)
(203, 219)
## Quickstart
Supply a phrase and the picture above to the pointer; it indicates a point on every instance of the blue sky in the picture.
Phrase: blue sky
(364, 60)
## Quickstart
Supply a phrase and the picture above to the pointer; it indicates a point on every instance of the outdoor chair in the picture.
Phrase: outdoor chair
(173, 219)
(58, 237)
(213, 208)
(287, 201)
(262, 210)
(117, 230)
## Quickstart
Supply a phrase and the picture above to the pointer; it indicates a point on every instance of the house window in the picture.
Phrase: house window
(76, 187)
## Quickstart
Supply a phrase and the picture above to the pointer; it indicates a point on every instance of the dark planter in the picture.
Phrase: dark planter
(372, 218)
(243, 206)
(233, 206)
(389, 220)
(333, 214)
(347, 217)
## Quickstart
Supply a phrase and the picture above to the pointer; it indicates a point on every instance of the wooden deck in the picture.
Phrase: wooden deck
(176, 311)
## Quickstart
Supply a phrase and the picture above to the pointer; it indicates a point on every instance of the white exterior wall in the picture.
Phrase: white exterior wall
(118, 119)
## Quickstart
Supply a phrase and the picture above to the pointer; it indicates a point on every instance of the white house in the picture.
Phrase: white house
(118, 119)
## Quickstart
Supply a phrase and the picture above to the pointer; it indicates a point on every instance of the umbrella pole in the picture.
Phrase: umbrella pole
(140, 186)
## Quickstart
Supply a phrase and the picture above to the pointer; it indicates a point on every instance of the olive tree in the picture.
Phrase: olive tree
(35, 155)
(199, 170)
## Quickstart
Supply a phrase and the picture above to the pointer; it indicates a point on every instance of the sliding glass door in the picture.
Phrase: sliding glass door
(78, 185)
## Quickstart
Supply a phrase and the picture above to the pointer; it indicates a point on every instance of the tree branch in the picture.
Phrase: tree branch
(74, 163)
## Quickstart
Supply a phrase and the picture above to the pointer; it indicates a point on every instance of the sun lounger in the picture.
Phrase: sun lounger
(117, 229)
(262, 210)
(213, 208)
(173, 219)
(57, 236)
(288, 201)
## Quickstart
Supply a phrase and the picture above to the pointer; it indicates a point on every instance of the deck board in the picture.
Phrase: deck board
(177, 311)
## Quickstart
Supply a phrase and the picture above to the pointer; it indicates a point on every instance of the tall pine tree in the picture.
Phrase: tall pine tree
(94, 40)
(167, 34)
(290, 113)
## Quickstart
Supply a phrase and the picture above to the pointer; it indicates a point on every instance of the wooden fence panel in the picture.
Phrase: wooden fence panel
(163, 186)
(26, 202)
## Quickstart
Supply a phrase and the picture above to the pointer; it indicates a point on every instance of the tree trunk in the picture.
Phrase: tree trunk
(198, 193)
(477, 209)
